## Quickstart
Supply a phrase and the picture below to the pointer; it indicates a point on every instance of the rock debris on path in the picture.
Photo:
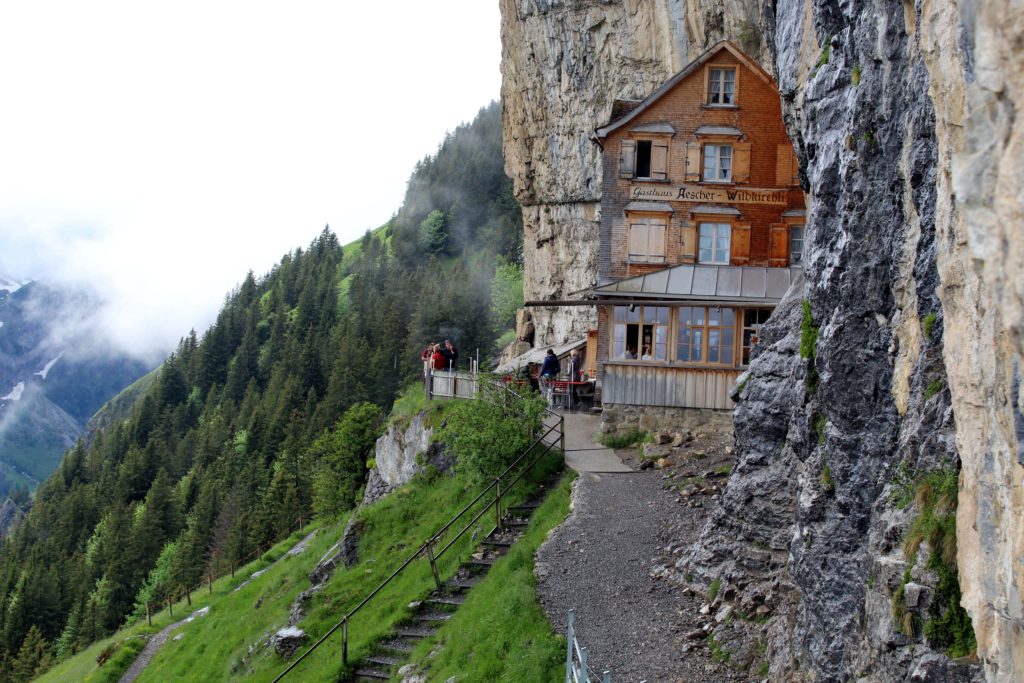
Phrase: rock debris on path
(603, 562)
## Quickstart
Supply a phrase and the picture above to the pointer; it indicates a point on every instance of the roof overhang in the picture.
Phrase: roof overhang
(536, 355)
(724, 284)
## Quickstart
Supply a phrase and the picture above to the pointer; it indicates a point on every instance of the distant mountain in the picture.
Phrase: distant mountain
(55, 373)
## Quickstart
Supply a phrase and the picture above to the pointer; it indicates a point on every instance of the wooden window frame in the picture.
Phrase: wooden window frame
(647, 221)
(708, 82)
(755, 331)
(672, 328)
(641, 322)
(718, 223)
(718, 161)
(657, 162)
(803, 243)
(706, 329)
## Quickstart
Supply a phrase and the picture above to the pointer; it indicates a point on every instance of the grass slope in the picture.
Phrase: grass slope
(501, 633)
(229, 643)
(198, 647)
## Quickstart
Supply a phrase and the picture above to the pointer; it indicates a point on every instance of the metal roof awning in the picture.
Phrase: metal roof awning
(536, 355)
(738, 284)
(719, 130)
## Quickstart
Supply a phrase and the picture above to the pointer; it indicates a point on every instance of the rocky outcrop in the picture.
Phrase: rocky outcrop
(405, 449)
(978, 91)
(902, 357)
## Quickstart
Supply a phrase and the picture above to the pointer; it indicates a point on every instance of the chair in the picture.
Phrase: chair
(560, 390)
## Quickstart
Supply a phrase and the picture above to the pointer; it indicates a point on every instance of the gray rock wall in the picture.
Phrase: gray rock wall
(904, 116)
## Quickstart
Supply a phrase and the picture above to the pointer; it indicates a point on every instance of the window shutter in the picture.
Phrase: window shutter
(795, 165)
(656, 241)
(692, 162)
(741, 162)
(659, 160)
(784, 165)
(689, 243)
(778, 245)
(627, 158)
(740, 247)
(638, 241)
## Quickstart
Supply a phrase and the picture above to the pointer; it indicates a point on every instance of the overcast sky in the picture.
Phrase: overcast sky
(162, 150)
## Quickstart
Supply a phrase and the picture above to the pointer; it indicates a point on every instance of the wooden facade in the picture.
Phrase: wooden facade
(701, 200)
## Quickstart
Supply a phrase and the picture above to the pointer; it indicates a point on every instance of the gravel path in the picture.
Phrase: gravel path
(600, 561)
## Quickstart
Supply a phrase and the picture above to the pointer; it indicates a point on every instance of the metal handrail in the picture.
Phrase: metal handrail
(428, 545)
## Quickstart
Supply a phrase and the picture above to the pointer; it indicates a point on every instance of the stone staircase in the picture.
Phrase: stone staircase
(430, 614)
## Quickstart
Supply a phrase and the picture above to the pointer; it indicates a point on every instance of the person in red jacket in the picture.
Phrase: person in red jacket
(438, 358)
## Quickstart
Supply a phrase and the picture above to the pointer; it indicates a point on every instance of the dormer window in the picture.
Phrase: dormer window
(722, 86)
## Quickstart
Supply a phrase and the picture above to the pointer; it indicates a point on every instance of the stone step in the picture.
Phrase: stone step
(415, 631)
(432, 615)
(466, 582)
(401, 645)
(373, 674)
(446, 600)
(384, 660)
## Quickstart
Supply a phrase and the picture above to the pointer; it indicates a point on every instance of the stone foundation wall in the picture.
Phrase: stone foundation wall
(615, 418)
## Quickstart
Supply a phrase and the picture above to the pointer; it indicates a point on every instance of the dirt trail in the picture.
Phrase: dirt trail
(157, 641)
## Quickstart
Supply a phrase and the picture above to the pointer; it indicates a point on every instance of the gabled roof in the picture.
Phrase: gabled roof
(671, 83)
(737, 284)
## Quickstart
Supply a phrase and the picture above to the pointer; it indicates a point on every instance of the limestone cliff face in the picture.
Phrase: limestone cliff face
(905, 119)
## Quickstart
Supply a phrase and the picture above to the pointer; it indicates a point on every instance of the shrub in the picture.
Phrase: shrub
(928, 324)
(624, 439)
(808, 333)
(486, 435)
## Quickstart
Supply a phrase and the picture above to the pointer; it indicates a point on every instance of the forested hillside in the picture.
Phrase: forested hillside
(236, 437)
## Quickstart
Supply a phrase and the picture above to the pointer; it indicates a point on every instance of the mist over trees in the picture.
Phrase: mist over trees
(270, 414)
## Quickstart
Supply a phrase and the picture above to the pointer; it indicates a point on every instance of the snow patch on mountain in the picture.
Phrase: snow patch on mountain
(46, 368)
(10, 285)
(15, 394)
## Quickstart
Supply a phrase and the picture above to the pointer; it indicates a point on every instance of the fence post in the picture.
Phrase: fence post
(497, 504)
(428, 386)
(149, 614)
(583, 664)
(570, 637)
(606, 677)
(561, 429)
(188, 595)
(170, 610)
(433, 564)
(344, 641)
(232, 569)
(209, 582)
(300, 522)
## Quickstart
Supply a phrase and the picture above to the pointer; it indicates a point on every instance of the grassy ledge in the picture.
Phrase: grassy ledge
(502, 617)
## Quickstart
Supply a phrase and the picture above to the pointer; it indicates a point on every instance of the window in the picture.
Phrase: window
(796, 245)
(718, 163)
(753, 318)
(722, 86)
(647, 239)
(644, 159)
(714, 243)
(641, 332)
(706, 334)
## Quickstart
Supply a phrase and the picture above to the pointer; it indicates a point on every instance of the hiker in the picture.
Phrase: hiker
(574, 369)
(426, 357)
(550, 367)
(438, 358)
(450, 354)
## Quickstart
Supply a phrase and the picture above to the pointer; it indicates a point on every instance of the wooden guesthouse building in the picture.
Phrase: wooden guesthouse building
(702, 221)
